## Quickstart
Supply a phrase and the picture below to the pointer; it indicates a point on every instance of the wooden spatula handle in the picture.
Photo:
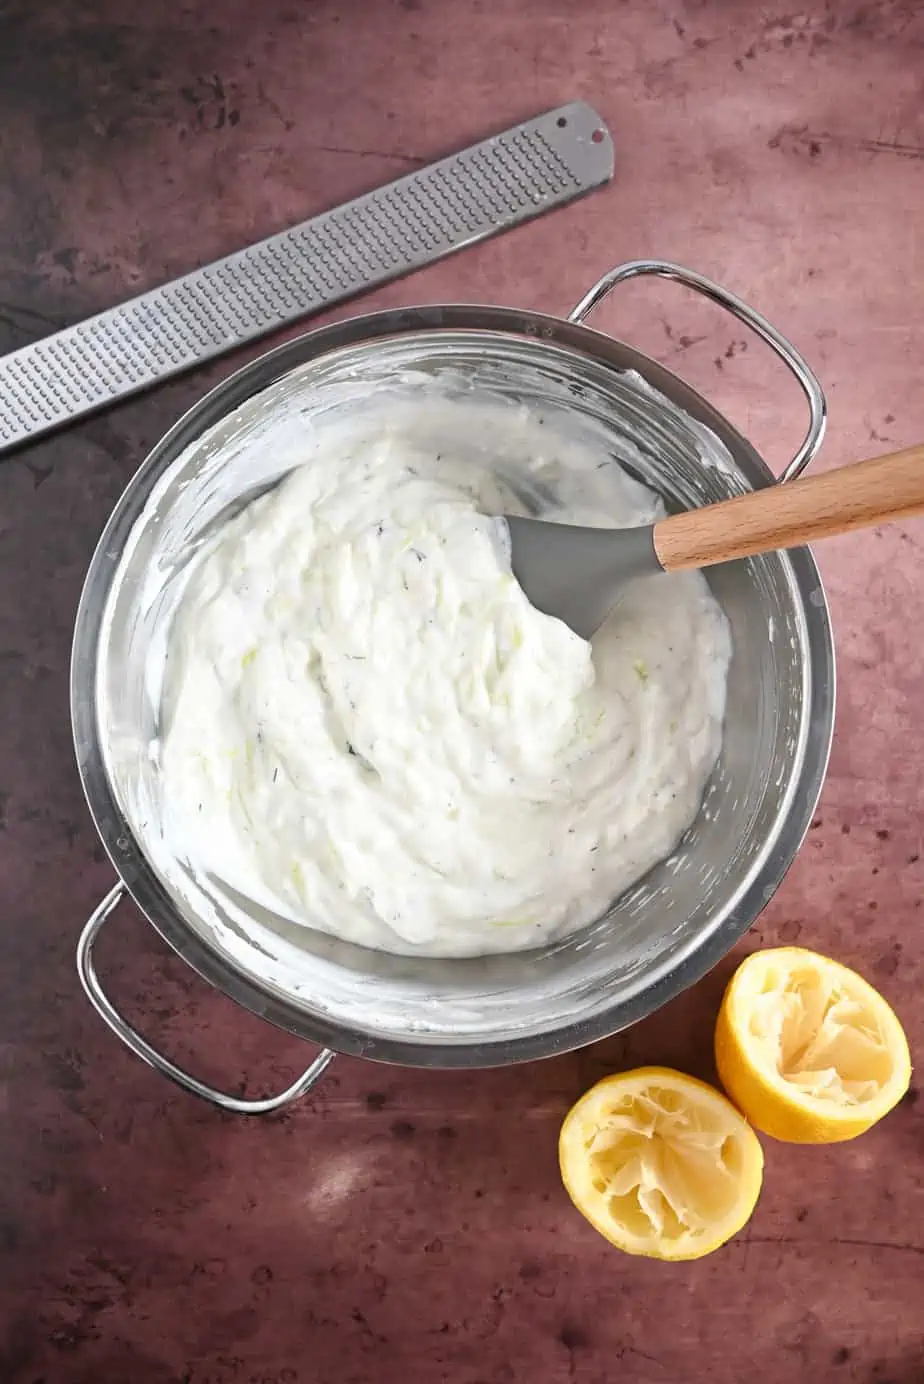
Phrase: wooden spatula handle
(784, 516)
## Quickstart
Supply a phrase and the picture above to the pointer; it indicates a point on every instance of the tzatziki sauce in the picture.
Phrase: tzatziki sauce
(366, 726)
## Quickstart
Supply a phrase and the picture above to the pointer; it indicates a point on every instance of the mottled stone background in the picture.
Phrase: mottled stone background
(403, 1225)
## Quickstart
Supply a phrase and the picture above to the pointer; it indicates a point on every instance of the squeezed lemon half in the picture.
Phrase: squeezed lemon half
(807, 1049)
(660, 1163)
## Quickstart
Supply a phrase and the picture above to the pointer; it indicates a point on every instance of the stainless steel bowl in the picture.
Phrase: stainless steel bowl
(656, 940)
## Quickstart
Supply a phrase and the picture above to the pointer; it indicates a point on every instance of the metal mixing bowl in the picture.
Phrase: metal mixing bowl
(656, 940)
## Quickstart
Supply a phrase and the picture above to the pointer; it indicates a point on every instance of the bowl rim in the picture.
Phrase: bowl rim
(126, 853)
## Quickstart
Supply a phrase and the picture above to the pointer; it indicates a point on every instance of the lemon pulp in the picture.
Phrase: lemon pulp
(819, 1037)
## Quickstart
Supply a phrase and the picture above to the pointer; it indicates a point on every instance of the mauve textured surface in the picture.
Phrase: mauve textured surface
(404, 1225)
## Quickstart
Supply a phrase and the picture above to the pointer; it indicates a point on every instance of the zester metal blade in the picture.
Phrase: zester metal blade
(490, 187)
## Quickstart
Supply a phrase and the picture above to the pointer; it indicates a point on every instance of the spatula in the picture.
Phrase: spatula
(577, 574)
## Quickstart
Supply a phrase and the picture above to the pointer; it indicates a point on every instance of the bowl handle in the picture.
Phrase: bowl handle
(808, 381)
(143, 1049)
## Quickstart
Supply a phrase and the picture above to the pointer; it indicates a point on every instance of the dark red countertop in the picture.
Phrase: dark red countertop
(400, 1225)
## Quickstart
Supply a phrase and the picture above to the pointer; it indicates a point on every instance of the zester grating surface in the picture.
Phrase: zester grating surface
(490, 187)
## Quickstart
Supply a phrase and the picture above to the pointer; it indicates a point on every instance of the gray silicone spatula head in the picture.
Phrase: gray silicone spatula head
(577, 574)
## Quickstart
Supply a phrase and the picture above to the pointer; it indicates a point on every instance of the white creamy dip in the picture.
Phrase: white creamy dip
(366, 726)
